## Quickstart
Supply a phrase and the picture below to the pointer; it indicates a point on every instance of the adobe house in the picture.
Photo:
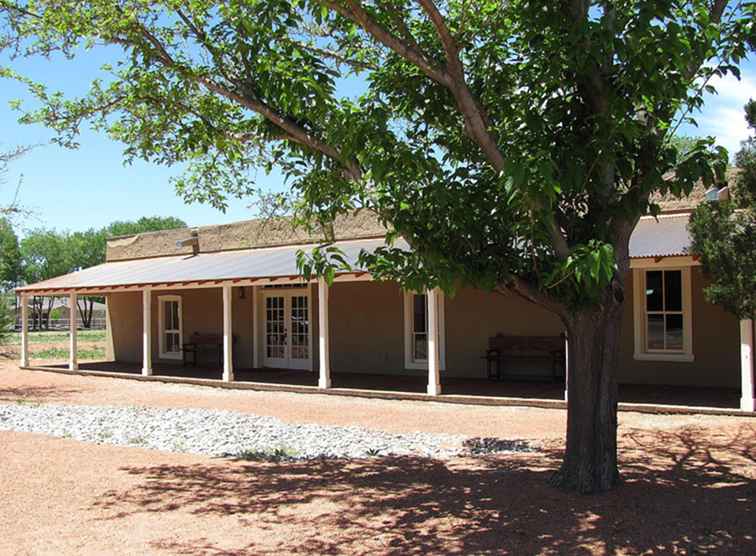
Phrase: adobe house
(226, 303)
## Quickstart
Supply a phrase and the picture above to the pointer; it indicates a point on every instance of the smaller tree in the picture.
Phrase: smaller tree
(7, 318)
(10, 256)
(724, 235)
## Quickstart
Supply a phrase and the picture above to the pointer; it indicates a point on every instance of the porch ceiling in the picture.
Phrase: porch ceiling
(235, 266)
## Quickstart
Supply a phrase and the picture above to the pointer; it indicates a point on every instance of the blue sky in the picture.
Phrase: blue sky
(91, 186)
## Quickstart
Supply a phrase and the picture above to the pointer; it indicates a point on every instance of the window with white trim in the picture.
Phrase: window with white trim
(170, 326)
(416, 331)
(662, 304)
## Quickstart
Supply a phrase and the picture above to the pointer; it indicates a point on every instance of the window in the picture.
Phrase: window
(169, 316)
(663, 314)
(416, 331)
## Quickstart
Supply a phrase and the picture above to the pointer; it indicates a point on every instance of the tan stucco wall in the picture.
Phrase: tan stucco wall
(473, 316)
(202, 311)
(716, 347)
(366, 327)
(367, 331)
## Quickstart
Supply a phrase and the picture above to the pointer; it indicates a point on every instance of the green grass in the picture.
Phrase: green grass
(14, 339)
(62, 353)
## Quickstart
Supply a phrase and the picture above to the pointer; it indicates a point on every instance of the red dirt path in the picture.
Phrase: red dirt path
(690, 484)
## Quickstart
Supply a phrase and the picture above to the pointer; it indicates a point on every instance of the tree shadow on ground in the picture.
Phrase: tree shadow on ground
(36, 394)
(689, 491)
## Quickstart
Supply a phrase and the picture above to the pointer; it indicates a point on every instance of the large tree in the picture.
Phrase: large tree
(513, 144)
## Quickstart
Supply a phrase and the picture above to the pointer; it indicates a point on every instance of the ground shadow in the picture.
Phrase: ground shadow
(688, 491)
(36, 394)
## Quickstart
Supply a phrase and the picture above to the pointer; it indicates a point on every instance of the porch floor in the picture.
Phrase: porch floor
(726, 398)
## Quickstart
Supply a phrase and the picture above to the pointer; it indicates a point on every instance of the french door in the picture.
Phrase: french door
(287, 339)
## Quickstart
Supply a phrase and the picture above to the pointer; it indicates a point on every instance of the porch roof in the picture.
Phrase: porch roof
(665, 236)
(223, 266)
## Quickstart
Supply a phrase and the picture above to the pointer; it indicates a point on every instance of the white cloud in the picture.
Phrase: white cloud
(722, 115)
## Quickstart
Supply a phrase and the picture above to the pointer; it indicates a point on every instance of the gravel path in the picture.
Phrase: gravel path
(226, 433)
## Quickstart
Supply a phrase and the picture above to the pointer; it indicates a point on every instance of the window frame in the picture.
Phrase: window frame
(161, 327)
(422, 364)
(640, 315)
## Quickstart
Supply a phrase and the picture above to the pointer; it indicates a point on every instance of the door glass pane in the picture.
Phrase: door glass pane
(420, 318)
(655, 335)
(674, 334)
(275, 330)
(300, 327)
(420, 347)
(419, 328)
(673, 290)
(654, 290)
(172, 342)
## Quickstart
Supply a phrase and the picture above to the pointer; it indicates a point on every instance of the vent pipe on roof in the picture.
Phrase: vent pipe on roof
(193, 240)
(715, 194)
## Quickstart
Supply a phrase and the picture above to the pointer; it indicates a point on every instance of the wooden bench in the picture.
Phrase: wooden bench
(503, 348)
(203, 342)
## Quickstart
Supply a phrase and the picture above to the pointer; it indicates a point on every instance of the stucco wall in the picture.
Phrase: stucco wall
(472, 316)
(366, 327)
(367, 331)
(202, 312)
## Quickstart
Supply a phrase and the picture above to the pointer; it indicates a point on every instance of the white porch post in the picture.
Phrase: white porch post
(24, 331)
(566, 366)
(73, 363)
(434, 378)
(147, 332)
(747, 401)
(324, 346)
(228, 339)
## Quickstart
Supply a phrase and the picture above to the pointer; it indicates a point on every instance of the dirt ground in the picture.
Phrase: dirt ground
(689, 484)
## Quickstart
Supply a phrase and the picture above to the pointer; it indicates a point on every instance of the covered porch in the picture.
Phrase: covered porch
(262, 316)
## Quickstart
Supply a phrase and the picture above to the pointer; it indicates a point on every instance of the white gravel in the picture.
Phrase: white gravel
(226, 433)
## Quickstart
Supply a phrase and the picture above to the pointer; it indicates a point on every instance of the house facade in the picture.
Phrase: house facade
(230, 297)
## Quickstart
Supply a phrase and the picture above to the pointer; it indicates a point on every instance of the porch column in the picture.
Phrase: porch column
(324, 346)
(747, 401)
(255, 330)
(147, 332)
(434, 378)
(24, 331)
(73, 363)
(566, 367)
(228, 338)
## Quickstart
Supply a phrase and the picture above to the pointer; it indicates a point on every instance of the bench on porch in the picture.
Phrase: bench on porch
(203, 342)
(502, 349)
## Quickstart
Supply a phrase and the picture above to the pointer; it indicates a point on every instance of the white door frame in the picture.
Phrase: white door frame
(287, 361)
(161, 324)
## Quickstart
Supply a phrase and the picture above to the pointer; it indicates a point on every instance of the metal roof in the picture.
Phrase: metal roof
(273, 262)
(665, 236)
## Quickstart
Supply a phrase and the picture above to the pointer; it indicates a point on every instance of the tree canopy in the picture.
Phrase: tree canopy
(514, 145)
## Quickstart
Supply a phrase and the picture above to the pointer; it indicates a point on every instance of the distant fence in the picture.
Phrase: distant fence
(61, 324)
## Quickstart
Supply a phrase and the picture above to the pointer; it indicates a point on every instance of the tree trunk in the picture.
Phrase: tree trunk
(590, 459)
(86, 311)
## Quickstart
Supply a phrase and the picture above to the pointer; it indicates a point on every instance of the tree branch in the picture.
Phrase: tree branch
(292, 129)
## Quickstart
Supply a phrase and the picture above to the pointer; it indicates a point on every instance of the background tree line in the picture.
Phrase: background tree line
(43, 253)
